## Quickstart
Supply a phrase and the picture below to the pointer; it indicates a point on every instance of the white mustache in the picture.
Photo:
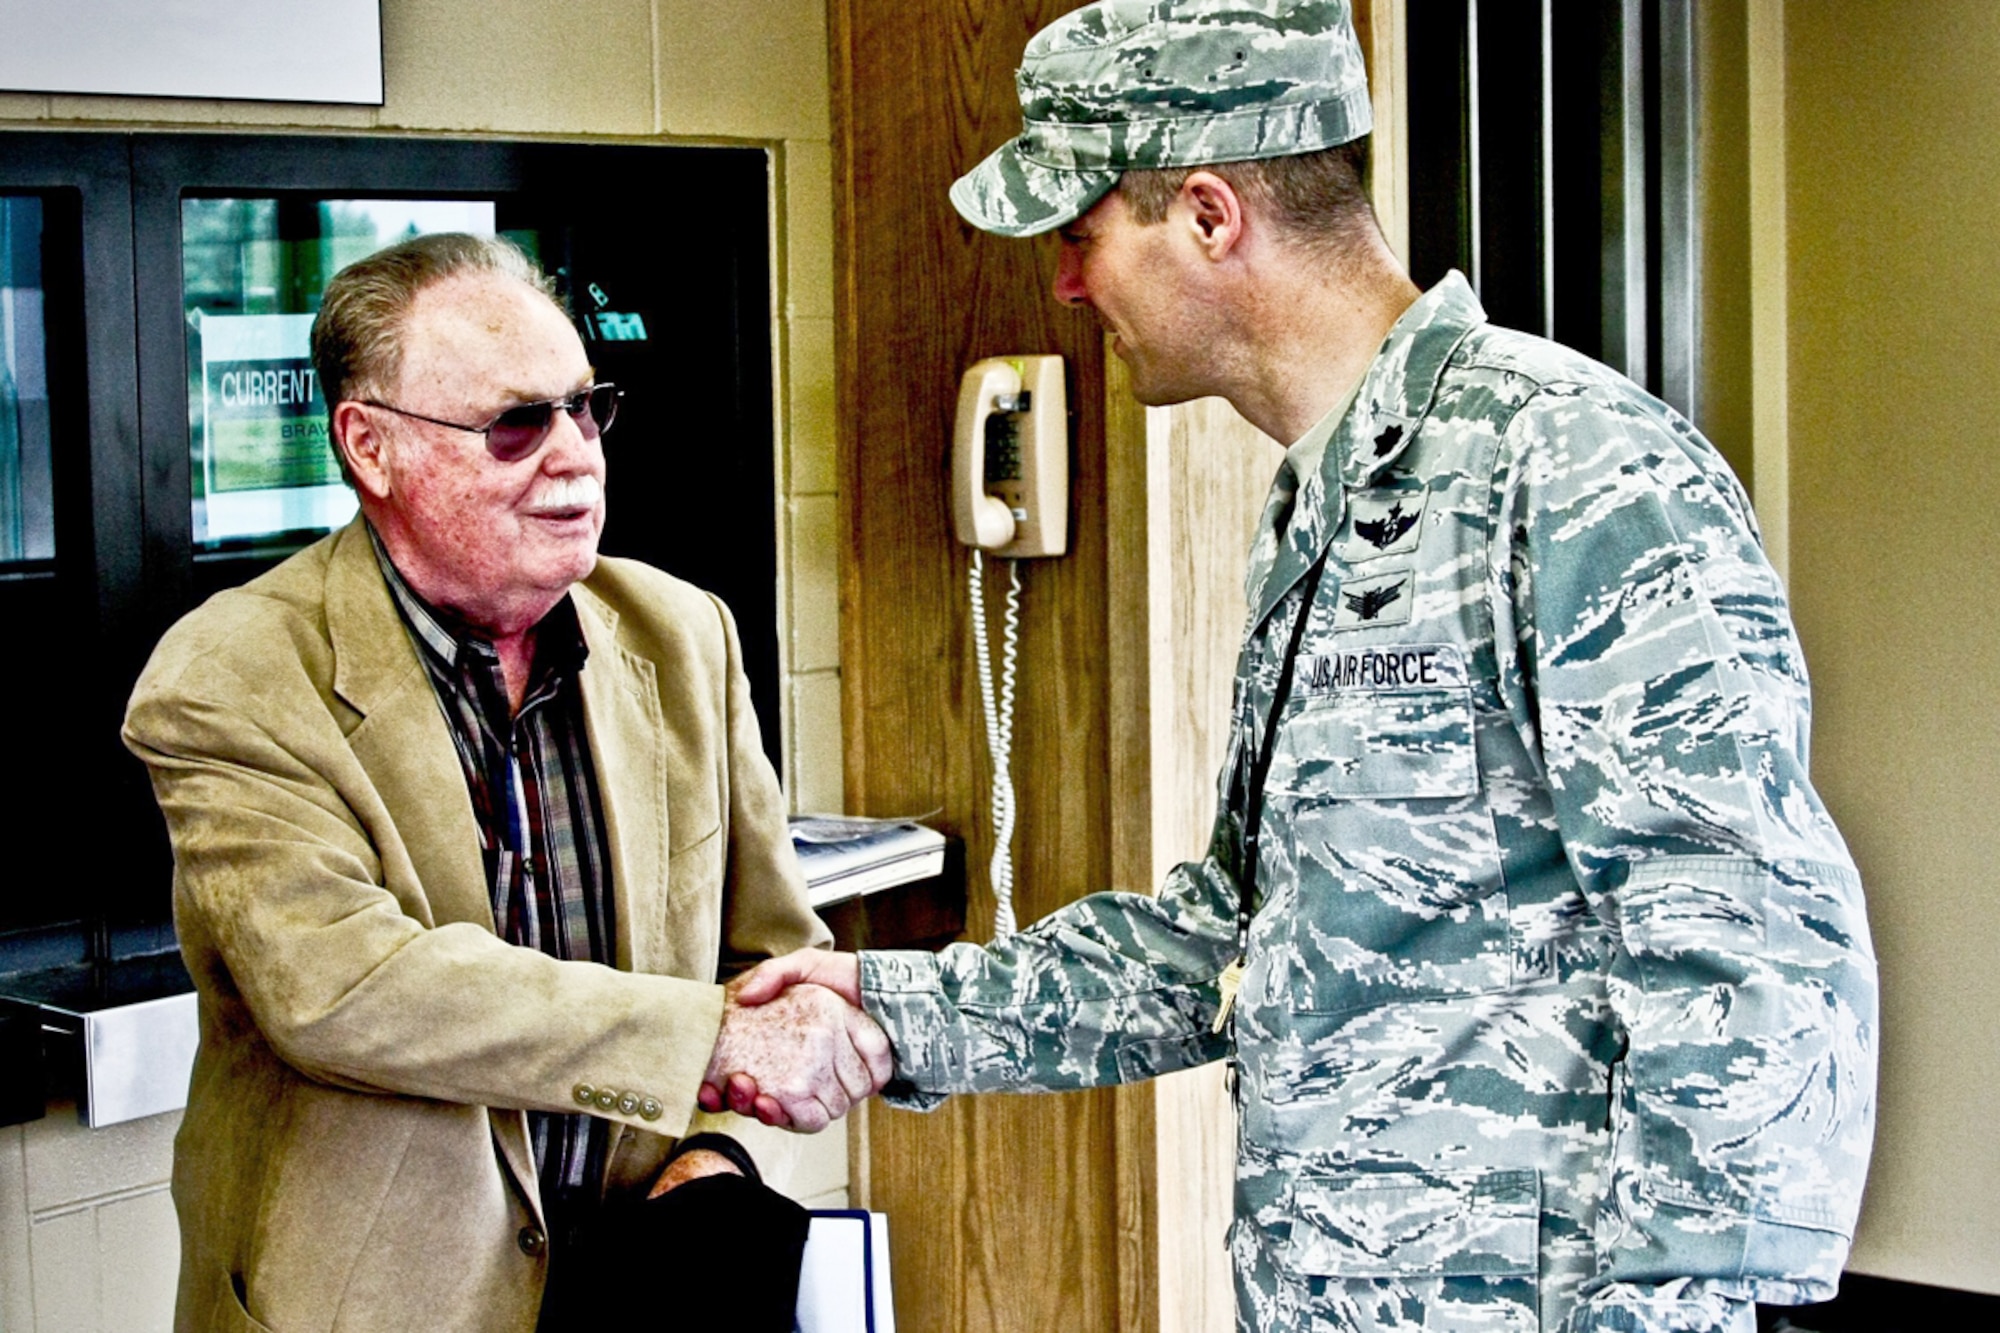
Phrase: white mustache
(564, 494)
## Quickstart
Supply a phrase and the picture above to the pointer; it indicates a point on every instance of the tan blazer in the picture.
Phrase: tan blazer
(354, 1154)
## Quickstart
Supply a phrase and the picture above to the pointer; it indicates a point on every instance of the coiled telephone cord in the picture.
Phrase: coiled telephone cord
(999, 731)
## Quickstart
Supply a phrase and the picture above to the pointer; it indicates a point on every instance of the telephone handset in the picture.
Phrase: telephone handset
(1010, 457)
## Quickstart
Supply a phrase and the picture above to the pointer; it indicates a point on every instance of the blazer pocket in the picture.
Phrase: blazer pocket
(232, 1314)
(690, 939)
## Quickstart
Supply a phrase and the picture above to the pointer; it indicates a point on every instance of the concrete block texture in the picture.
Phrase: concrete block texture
(139, 1255)
(17, 1304)
(808, 186)
(519, 66)
(88, 1239)
(743, 68)
(810, 407)
(68, 1165)
(104, 1268)
(64, 1252)
(175, 111)
(814, 567)
(699, 69)
(821, 1167)
(818, 783)
(830, 1199)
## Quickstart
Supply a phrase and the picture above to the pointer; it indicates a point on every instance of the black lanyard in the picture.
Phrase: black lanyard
(1253, 818)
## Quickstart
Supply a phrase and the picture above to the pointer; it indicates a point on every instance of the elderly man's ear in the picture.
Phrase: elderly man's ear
(361, 443)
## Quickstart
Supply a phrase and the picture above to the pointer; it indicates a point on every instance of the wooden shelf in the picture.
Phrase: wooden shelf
(923, 914)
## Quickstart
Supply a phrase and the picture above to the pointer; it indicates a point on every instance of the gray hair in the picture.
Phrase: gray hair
(357, 344)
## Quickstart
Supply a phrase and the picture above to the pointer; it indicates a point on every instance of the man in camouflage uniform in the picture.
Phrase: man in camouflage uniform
(1556, 1005)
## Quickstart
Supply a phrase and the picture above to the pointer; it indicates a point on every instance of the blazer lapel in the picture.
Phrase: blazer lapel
(402, 741)
(406, 749)
(621, 710)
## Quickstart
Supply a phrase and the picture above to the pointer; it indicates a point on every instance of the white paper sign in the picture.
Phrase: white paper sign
(844, 1276)
(256, 50)
(266, 464)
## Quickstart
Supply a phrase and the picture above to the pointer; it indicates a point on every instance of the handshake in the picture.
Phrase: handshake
(795, 1049)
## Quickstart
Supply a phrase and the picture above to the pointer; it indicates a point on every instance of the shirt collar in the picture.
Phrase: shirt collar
(559, 644)
(1347, 449)
(1397, 391)
(1285, 510)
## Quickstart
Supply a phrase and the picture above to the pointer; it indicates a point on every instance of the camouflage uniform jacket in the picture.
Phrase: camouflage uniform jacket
(1560, 1005)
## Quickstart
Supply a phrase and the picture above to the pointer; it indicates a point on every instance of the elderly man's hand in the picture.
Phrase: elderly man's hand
(800, 1058)
(693, 1166)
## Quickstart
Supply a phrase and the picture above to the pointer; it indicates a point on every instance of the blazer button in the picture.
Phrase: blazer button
(629, 1103)
(650, 1108)
(585, 1094)
(532, 1242)
(607, 1099)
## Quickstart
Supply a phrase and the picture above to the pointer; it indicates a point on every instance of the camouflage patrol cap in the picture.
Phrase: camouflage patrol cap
(1125, 84)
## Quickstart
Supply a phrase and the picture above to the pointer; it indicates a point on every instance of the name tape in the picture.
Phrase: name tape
(1395, 667)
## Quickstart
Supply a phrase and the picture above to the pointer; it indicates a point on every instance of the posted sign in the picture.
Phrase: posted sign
(263, 419)
(266, 464)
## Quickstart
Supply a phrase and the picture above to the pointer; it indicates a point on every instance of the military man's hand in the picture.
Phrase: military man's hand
(838, 972)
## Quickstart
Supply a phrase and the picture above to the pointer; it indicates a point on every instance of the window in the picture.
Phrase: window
(27, 511)
(1552, 160)
(261, 468)
(161, 436)
(62, 739)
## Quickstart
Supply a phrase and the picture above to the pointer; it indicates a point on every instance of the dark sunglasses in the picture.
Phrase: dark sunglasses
(519, 431)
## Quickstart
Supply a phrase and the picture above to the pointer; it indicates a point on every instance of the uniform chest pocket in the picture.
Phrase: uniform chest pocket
(1376, 801)
(1379, 744)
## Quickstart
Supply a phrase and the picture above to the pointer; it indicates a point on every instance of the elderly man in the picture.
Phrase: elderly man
(1543, 971)
(466, 823)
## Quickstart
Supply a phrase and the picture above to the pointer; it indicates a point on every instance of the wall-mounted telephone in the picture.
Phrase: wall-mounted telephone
(1010, 496)
(1010, 457)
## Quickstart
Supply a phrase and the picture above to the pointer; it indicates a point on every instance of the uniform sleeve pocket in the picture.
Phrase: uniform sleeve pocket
(1381, 745)
(1412, 1225)
(1141, 1060)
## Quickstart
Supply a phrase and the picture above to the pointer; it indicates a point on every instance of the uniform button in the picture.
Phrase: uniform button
(607, 1099)
(650, 1108)
(532, 1242)
(584, 1094)
(629, 1104)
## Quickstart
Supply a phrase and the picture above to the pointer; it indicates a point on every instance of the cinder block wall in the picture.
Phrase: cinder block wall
(87, 1237)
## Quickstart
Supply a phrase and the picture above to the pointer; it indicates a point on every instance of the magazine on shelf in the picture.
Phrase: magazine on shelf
(845, 856)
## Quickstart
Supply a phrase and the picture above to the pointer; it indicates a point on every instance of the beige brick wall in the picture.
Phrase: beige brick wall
(87, 1239)
(86, 1228)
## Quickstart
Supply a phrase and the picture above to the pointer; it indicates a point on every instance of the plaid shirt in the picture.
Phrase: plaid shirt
(541, 827)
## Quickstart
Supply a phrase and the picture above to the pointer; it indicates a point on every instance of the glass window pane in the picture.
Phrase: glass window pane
(27, 511)
(252, 272)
